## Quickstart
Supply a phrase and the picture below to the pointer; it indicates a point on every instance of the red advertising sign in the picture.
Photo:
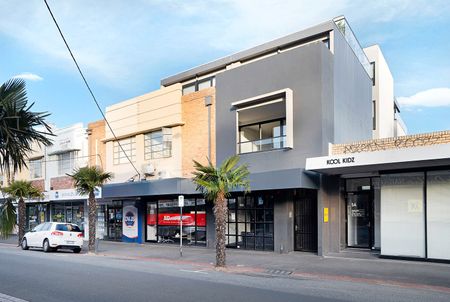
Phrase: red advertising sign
(173, 219)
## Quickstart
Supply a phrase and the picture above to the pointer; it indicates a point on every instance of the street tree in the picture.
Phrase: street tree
(216, 183)
(18, 190)
(87, 180)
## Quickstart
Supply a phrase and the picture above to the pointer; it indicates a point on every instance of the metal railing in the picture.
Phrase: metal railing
(265, 144)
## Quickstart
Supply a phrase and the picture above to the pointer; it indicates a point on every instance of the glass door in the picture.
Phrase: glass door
(114, 223)
(359, 213)
(152, 216)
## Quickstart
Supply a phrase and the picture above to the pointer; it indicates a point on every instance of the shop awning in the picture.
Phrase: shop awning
(395, 159)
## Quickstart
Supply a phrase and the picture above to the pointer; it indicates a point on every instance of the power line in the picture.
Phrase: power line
(89, 88)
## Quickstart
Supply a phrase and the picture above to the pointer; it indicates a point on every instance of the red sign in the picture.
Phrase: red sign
(173, 219)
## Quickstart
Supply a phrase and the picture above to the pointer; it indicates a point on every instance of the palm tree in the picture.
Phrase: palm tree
(87, 179)
(18, 189)
(18, 127)
(216, 184)
(8, 218)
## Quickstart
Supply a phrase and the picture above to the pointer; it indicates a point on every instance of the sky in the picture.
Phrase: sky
(126, 47)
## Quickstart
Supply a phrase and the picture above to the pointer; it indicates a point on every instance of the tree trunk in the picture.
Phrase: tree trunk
(22, 218)
(220, 213)
(92, 221)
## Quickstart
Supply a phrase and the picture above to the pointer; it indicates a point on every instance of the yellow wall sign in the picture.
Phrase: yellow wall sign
(325, 214)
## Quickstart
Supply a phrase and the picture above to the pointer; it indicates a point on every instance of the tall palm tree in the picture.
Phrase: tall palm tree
(19, 190)
(8, 218)
(216, 184)
(19, 127)
(87, 179)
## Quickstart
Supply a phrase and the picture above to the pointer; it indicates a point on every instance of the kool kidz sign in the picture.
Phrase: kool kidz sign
(340, 160)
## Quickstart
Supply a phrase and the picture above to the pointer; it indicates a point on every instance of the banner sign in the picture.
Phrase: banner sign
(173, 219)
(130, 222)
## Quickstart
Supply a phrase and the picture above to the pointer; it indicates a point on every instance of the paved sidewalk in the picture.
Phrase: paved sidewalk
(348, 266)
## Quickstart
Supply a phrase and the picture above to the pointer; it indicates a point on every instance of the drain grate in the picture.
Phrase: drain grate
(278, 272)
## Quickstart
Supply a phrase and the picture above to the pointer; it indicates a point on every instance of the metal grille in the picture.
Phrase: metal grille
(305, 224)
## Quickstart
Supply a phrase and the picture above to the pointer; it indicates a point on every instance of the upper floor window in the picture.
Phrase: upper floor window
(158, 144)
(372, 64)
(66, 162)
(265, 122)
(199, 85)
(128, 146)
(35, 166)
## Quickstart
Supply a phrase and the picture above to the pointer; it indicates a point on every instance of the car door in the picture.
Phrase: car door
(43, 233)
(33, 236)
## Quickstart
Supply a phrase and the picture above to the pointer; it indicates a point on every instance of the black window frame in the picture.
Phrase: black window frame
(196, 83)
(282, 134)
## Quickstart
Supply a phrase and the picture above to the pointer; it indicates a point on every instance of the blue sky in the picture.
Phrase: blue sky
(126, 47)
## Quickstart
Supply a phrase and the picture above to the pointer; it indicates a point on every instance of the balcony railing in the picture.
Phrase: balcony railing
(266, 144)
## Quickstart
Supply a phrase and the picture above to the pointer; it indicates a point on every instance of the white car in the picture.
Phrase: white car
(51, 236)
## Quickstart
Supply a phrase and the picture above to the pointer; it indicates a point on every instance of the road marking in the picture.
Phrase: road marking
(192, 271)
(6, 298)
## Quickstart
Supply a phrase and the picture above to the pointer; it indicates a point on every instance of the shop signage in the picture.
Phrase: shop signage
(340, 160)
(130, 222)
(69, 194)
(174, 219)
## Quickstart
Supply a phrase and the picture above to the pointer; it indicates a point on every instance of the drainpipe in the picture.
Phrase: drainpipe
(208, 103)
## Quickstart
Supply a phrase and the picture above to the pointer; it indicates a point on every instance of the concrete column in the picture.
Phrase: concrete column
(284, 224)
(329, 233)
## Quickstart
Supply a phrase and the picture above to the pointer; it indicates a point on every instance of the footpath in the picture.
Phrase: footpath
(351, 265)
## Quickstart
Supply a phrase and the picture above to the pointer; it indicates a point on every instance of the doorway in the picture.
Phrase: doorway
(114, 223)
(305, 221)
(359, 219)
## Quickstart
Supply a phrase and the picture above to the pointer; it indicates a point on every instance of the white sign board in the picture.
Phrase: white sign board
(181, 201)
(130, 222)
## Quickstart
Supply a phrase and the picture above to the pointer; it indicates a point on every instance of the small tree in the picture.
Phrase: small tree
(86, 180)
(19, 190)
(216, 184)
(8, 218)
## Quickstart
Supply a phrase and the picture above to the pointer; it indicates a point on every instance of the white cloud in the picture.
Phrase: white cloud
(435, 97)
(28, 76)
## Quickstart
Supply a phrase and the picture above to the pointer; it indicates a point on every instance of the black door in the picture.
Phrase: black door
(305, 221)
(115, 223)
(359, 218)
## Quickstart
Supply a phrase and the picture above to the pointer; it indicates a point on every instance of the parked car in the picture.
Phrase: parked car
(51, 236)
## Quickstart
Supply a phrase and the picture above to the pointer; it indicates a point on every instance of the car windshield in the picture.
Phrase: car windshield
(67, 227)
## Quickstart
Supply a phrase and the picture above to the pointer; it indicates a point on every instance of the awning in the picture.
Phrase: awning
(395, 159)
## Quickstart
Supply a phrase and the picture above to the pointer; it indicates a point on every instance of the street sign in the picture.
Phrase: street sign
(181, 201)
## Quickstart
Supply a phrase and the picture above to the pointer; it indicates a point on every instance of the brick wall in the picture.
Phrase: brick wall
(195, 129)
(407, 141)
(38, 183)
(97, 152)
(62, 182)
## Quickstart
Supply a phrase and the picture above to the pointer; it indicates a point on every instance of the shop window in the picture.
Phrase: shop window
(199, 85)
(35, 167)
(158, 144)
(167, 221)
(128, 149)
(250, 224)
(265, 122)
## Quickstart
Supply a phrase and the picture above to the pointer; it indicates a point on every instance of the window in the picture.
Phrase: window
(199, 85)
(373, 73)
(158, 144)
(36, 168)
(374, 115)
(129, 146)
(250, 222)
(265, 122)
(66, 162)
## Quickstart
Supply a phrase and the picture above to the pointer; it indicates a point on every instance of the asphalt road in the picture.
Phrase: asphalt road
(36, 276)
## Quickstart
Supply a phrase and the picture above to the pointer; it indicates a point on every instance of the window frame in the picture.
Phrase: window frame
(148, 144)
(36, 162)
(62, 162)
(117, 150)
(282, 124)
(196, 83)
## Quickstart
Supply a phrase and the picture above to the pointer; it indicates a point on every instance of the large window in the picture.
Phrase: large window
(158, 144)
(35, 168)
(129, 146)
(250, 222)
(265, 122)
(199, 85)
(167, 219)
(66, 162)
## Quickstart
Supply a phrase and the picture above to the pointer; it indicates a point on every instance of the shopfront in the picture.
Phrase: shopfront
(163, 221)
(36, 213)
(73, 211)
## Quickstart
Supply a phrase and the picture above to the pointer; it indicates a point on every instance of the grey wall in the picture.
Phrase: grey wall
(352, 95)
(306, 70)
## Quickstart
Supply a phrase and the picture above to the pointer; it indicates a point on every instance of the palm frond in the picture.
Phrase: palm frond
(7, 218)
(88, 178)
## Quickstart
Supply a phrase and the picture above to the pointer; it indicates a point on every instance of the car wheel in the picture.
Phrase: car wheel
(46, 246)
(77, 250)
(24, 244)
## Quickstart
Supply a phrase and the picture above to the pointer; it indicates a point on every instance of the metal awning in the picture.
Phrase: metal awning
(395, 159)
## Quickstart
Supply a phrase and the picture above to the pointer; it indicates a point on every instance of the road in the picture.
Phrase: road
(63, 276)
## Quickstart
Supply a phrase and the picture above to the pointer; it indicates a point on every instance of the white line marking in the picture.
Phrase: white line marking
(6, 298)
(192, 271)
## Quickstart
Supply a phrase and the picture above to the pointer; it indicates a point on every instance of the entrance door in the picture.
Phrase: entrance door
(305, 223)
(115, 223)
(359, 213)
(152, 218)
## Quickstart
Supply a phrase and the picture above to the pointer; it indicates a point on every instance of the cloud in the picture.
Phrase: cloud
(435, 97)
(28, 76)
